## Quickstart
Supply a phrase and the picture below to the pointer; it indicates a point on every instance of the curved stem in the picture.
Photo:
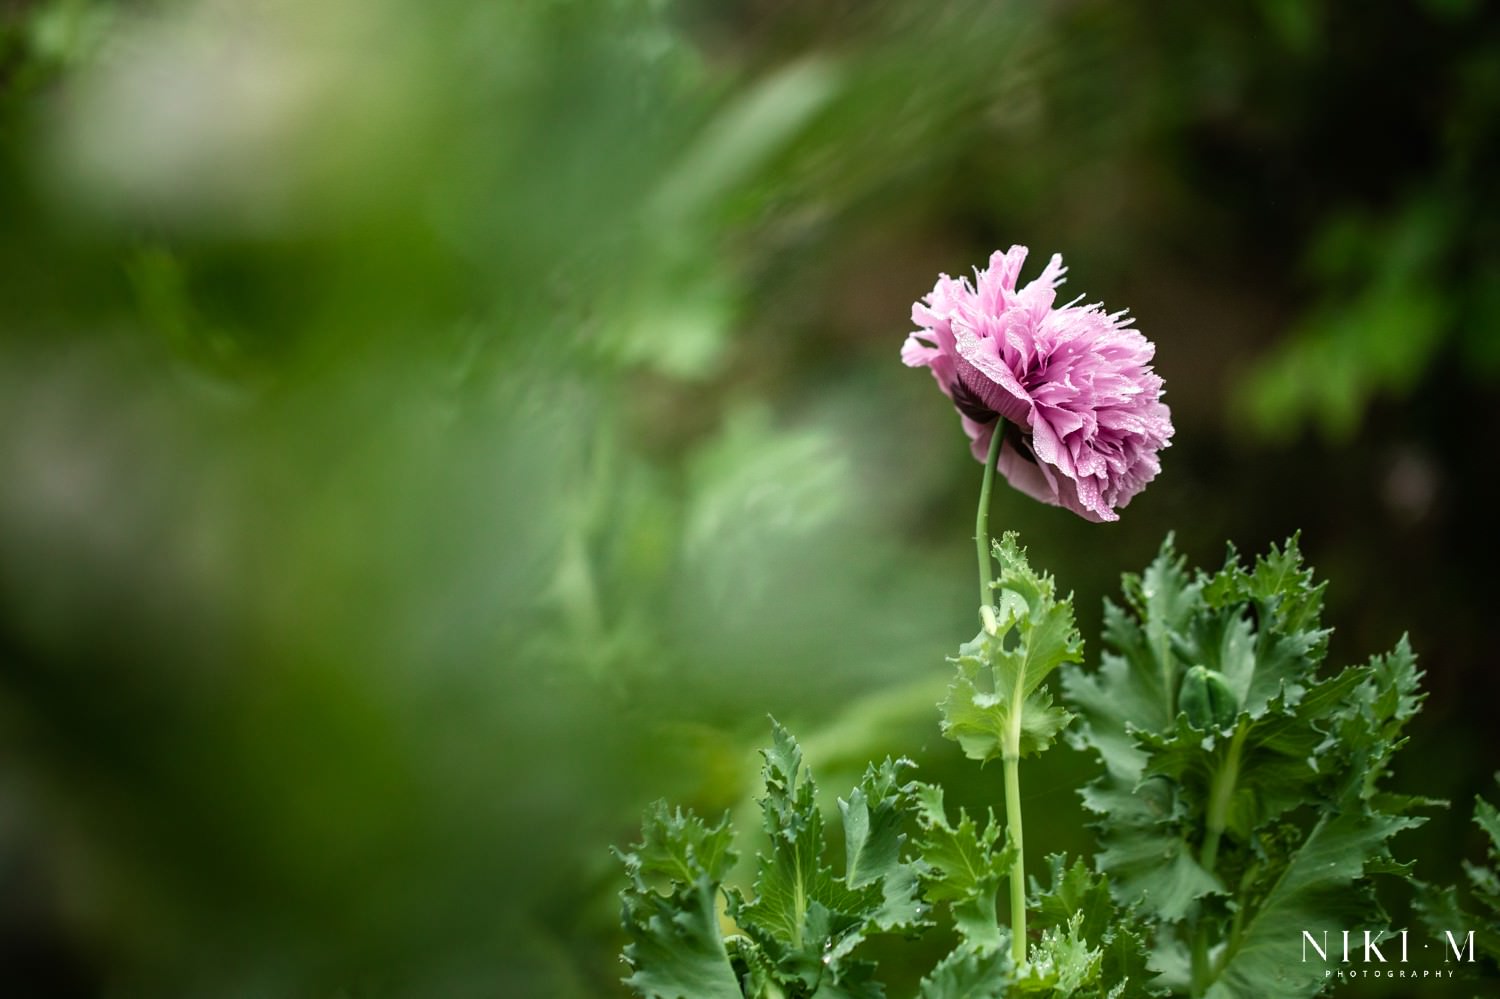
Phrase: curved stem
(982, 519)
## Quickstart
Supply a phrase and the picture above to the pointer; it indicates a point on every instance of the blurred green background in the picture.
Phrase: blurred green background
(430, 431)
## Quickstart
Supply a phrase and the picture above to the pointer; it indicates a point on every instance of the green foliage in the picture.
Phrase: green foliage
(1063, 965)
(371, 397)
(676, 947)
(1242, 793)
(1384, 318)
(908, 869)
(799, 931)
(1442, 911)
(1206, 699)
(967, 974)
(996, 706)
(804, 919)
(1242, 804)
(1078, 901)
(962, 867)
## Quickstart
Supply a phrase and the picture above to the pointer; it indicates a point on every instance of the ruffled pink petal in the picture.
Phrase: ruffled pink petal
(989, 378)
(916, 354)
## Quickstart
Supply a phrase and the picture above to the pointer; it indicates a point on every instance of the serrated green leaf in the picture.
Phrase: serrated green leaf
(961, 866)
(759, 978)
(967, 974)
(995, 707)
(1483, 882)
(1203, 817)
(1062, 964)
(1318, 890)
(793, 876)
(1267, 765)
(1045, 634)
(808, 921)
(1127, 963)
(1440, 907)
(1172, 962)
(1107, 700)
(1487, 819)
(1145, 852)
(1076, 892)
(1157, 871)
(1370, 732)
(1396, 685)
(981, 722)
(872, 825)
(804, 918)
(1279, 583)
(679, 846)
(676, 950)
(1441, 912)
(1136, 684)
(1289, 642)
(1163, 599)
(873, 818)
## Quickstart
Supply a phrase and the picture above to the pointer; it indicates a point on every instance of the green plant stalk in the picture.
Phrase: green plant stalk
(1012, 758)
(1018, 868)
(1200, 972)
(1221, 793)
(982, 519)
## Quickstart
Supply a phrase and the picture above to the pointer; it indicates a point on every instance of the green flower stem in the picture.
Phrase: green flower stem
(982, 519)
(1012, 757)
(1018, 869)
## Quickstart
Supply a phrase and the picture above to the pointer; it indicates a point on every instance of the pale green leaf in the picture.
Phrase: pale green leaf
(995, 707)
(1320, 889)
(961, 866)
(676, 950)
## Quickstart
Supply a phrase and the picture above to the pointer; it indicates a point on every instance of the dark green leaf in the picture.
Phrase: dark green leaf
(1204, 814)
(1318, 890)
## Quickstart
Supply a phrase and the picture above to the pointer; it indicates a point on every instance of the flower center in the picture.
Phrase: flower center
(969, 403)
(1020, 442)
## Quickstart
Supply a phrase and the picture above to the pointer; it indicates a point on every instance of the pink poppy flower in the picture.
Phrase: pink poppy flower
(1083, 410)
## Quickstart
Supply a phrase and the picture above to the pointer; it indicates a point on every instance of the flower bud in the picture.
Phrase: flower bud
(1206, 699)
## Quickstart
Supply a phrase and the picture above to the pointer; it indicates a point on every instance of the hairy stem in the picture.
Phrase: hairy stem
(982, 518)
